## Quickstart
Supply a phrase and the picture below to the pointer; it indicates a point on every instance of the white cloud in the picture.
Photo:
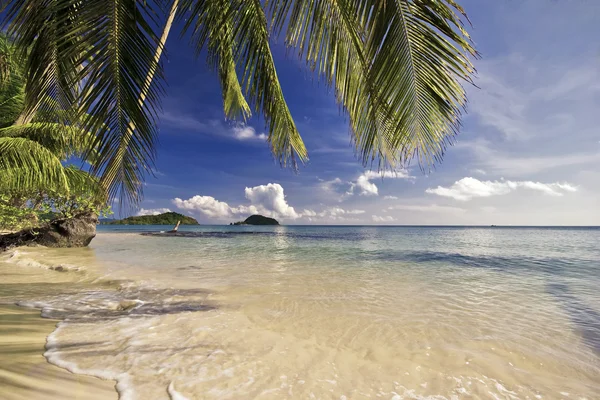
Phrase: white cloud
(271, 198)
(390, 198)
(468, 188)
(387, 218)
(152, 211)
(333, 185)
(264, 199)
(207, 205)
(245, 132)
(308, 213)
(238, 131)
(364, 187)
(427, 208)
(337, 212)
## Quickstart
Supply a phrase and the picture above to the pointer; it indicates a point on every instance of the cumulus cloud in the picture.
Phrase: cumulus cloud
(207, 205)
(364, 187)
(468, 188)
(332, 185)
(390, 198)
(271, 198)
(264, 199)
(152, 211)
(245, 132)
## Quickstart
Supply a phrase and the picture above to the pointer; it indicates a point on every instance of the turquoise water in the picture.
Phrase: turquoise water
(333, 312)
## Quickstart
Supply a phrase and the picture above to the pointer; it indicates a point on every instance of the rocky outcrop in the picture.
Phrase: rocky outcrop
(70, 232)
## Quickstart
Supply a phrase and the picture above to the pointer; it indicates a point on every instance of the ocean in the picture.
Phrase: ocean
(323, 312)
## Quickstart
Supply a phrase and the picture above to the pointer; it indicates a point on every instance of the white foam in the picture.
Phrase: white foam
(123, 381)
(174, 394)
(18, 258)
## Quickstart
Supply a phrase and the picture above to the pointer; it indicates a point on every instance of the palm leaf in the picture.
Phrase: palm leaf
(212, 26)
(43, 33)
(396, 67)
(243, 25)
(62, 140)
(80, 181)
(12, 83)
(25, 164)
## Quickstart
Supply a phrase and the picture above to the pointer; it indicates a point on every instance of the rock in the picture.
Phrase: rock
(71, 232)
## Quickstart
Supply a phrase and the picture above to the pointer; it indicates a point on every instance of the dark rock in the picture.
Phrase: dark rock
(70, 232)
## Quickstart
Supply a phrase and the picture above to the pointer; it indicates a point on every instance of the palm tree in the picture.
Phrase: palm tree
(33, 154)
(396, 67)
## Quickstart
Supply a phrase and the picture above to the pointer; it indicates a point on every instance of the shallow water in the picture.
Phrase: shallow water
(326, 312)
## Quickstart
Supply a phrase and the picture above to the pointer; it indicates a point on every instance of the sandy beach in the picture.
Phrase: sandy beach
(25, 373)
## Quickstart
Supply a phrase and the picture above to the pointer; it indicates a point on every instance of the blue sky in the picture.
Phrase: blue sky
(528, 153)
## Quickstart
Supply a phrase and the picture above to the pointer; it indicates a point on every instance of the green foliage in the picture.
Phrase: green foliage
(396, 67)
(12, 88)
(168, 218)
(28, 209)
(35, 184)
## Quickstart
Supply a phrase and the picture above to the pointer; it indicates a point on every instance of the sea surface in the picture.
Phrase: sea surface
(307, 312)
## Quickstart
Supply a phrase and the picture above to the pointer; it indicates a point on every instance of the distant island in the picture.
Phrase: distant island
(168, 218)
(257, 220)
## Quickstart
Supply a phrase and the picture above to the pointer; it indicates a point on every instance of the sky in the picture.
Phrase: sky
(528, 152)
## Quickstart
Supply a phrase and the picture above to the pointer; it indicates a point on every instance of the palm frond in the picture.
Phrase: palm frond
(12, 82)
(80, 181)
(25, 164)
(212, 26)
(63, 141)
(249, 36)
(44, 36)
(94, 57)
(122, 54)
(396, 67)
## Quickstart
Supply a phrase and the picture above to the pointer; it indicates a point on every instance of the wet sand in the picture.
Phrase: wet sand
(25, 373)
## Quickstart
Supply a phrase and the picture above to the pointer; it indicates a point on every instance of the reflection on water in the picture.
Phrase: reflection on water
(325, 312)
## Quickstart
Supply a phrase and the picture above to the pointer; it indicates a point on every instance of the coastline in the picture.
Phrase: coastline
(26, 374)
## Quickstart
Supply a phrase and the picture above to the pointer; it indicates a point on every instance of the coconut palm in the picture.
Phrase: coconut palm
(396, 67)
(33, 154)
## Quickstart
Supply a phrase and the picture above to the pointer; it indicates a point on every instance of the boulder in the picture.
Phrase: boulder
(69, 232)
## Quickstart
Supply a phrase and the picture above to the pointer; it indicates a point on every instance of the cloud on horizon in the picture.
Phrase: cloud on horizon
(468, 188)
(152, 211)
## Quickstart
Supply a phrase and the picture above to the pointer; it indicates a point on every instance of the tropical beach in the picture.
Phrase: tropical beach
(321, 312)
(289, 199)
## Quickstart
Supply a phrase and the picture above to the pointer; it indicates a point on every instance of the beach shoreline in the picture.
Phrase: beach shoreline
(230, 316)
(24, 371)
(26, 374)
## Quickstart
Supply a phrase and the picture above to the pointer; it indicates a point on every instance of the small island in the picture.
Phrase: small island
(168, 218)
(257, 220)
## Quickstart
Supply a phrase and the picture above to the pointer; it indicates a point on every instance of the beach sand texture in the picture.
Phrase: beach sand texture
(24, 372)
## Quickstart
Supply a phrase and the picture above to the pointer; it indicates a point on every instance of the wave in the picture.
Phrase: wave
(173, 394)
(21, 258)
(547, 265)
